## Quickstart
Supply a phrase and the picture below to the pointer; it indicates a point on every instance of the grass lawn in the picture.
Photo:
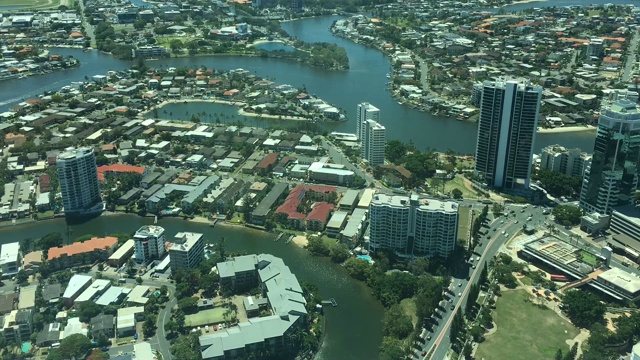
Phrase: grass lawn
(589, 258)
(409, 307)
(458, 182)
(207, 317)
(525, 331)
(463, 222)
(37, 4)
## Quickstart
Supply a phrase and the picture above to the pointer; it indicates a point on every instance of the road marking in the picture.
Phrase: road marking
(464, 293)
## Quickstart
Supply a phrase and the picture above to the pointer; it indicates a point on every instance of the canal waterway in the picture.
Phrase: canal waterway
(364, 81)
(354, 328)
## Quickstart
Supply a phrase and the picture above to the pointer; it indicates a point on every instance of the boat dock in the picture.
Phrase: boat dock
(331, 302)
(289, 239)
(214, 222)
(278, 237)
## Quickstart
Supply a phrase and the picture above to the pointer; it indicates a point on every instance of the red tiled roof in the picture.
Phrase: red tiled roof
(90, 245)
(118, 168)
(267, 161)
(45, 183)
(320, 212)
(290, 205)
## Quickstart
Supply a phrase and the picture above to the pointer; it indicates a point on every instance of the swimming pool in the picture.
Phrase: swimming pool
(365, 257)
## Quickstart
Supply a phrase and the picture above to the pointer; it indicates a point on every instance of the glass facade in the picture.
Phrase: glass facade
(612, 177)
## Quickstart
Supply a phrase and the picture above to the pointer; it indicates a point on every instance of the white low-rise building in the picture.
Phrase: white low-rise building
(10, 259)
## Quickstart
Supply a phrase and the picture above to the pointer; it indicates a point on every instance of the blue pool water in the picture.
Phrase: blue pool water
(365, 257)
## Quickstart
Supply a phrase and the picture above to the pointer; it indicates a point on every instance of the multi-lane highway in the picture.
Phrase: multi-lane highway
(500, 230)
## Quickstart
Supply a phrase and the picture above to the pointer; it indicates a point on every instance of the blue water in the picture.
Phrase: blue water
(11, 7)
(140, 3)
(274, 46)
(365, 257)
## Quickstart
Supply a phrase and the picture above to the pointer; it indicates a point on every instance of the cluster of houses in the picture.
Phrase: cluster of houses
(17, 310)
(571, 51)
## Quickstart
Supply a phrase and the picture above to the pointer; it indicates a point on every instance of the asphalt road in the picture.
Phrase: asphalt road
(631, 57)
(88, 28)
(491, 243)
(339, 158)
(159, 341)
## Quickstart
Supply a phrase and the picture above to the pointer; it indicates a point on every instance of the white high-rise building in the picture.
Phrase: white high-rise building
(571, 162)
(149, 243)
(373, 143)
(186, 251)
(506, 132)
(612, 177)
(78, 176)
(364, 112)
(413, 226)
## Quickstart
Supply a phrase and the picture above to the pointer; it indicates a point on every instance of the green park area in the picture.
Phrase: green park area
(36, 4)
(525, 330)
(208, 317)
(463, 222)
(409, 307)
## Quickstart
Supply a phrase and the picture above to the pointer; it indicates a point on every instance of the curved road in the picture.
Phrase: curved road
(439, 345)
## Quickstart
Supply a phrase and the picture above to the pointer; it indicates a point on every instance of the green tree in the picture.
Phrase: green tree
(391, 349)
(88, 310)
(396, 323)
(557, 183)
(149, 325)
(139, 25)
(484, 274)
(186, 347)
(571, 355)
(339, 253)
(583, 308)
(103, 340)
(74, 346)
(188, 305)
(358, 269)
(497, 209)
(558, 354)
(456, 193)
(316, 246)
(395, 150)
(567, 214)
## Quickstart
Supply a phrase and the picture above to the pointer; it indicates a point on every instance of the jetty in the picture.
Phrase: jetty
(278, 237)
(213, 223)
(289, 239)
(331, 302)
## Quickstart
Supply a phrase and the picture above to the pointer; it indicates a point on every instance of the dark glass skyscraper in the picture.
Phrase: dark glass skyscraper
(506, 132)
(612, 178)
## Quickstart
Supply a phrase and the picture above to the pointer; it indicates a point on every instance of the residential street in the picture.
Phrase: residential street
(631, 57)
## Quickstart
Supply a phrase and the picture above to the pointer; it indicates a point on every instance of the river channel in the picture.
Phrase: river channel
(364, 81)
(353, 329)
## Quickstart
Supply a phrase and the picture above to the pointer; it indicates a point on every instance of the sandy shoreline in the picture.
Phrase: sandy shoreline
(262, 41)
(566, 129)
(300, 240)
(525, 2)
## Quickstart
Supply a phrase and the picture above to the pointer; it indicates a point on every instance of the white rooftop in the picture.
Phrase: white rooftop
(76, 283)
(9, 253)
(621, 279)
(184, 241)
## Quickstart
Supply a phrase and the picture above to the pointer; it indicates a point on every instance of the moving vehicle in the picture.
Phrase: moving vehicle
(559, 278)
